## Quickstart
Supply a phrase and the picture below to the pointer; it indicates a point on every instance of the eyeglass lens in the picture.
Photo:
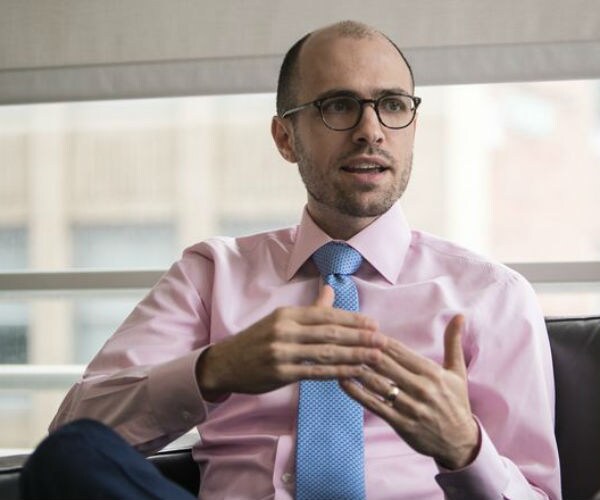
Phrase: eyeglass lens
(344, 112)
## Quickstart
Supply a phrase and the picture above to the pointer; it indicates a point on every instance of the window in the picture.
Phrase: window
(510, 170)
(13, 315)
(94, 318)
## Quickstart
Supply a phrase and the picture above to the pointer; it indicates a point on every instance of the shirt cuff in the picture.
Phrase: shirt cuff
(175, 397)
(484, 478)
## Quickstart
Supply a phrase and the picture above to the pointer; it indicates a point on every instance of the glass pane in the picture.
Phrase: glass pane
(507, 169)
(66, 331)
(124, 246)
(111, 172)
(559, 300)
(13, 315)
(24, 417)
(13, 247)
(13, 332)
(94, 319)
(510, 170)
(49, 333)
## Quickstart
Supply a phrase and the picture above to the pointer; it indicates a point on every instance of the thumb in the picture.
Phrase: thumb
(454, 359)
(326, 297)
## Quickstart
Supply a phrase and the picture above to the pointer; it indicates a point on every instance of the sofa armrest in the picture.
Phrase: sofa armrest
(10, 470)
(179, 467)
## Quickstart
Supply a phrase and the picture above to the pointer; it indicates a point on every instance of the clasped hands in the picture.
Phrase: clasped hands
(431, 410)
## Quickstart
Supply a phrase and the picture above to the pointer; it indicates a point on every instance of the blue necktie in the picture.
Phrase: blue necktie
(330, 441)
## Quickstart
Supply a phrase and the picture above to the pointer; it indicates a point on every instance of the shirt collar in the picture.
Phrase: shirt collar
(383, 243)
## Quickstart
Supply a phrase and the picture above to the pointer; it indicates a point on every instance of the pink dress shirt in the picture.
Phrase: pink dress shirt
(142, 381)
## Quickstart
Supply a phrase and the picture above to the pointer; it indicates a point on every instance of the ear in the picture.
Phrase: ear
(284, 138)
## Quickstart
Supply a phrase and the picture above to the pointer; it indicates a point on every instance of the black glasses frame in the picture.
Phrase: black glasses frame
(318, 103)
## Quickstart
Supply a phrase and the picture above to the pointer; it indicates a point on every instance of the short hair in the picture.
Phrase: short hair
(288, 82)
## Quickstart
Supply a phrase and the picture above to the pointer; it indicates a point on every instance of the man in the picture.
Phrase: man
(448, 356)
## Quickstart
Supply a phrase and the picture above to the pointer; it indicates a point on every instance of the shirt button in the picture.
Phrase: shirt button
(186, 415)
(287, 477)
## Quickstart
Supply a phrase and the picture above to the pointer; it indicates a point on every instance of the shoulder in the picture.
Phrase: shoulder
(230, 258)
(251, 247)
(462, 264)
(498, 302)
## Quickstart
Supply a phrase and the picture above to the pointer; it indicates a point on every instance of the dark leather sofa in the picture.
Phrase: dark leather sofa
(575, 346)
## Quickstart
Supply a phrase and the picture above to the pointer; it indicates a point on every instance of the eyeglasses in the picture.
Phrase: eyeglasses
(344, 112)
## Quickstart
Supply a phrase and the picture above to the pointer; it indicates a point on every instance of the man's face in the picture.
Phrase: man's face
(363, 171)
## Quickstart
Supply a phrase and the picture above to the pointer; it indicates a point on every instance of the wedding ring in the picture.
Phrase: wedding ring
(391, 396)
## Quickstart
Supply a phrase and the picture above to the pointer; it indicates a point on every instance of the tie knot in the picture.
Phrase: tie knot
(337, 258)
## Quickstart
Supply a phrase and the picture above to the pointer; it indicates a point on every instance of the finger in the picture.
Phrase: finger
(295, 372)
(381, 387)
(408, 359)
(335, 334)
(318, 315)
(453, 354)
(411, 388)
(328, 354)
(372, 402)
(326, 297)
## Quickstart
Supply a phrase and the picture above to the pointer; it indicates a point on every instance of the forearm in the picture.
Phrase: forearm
(142, 383)
(148, 405)
(489, 477)
(512, 392)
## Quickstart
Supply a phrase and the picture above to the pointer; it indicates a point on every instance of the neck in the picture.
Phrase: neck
(338, 226)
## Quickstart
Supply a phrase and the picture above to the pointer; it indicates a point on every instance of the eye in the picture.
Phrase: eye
(394, 104)
(338, 106)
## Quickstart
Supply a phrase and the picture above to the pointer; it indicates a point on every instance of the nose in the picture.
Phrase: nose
(369, 129)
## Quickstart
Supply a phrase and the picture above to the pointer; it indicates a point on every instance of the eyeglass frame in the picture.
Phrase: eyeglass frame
(317, 103)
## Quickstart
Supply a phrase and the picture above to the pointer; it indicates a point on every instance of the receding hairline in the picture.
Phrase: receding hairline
(352, 29)
(343, 29)
(347, 29)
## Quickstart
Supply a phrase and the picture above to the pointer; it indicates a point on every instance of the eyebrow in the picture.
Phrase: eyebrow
(348, 92)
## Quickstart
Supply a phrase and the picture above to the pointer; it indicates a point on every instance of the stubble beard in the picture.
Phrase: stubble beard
(347, 202)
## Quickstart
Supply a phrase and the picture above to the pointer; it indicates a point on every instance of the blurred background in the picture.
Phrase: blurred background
(107, 173)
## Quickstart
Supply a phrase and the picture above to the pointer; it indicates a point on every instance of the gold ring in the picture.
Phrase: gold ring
(391, 396)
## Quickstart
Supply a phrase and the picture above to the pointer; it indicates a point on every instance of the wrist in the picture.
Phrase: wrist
(206, 380)
(464, 454)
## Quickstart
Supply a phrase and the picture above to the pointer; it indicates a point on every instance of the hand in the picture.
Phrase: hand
(292, 343)
(432, 411)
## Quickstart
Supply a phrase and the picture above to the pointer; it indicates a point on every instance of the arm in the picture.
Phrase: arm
(511, 388)
(508, 386)
(293, 343)
(142, 382)
(156, 376)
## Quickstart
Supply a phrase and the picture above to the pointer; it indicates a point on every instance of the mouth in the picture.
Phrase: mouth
(365, 168)
(365, 165)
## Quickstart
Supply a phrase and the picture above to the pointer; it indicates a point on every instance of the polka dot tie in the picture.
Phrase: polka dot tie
(330, 440)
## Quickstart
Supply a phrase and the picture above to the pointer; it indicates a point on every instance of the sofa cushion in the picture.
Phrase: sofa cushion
(575, 344)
